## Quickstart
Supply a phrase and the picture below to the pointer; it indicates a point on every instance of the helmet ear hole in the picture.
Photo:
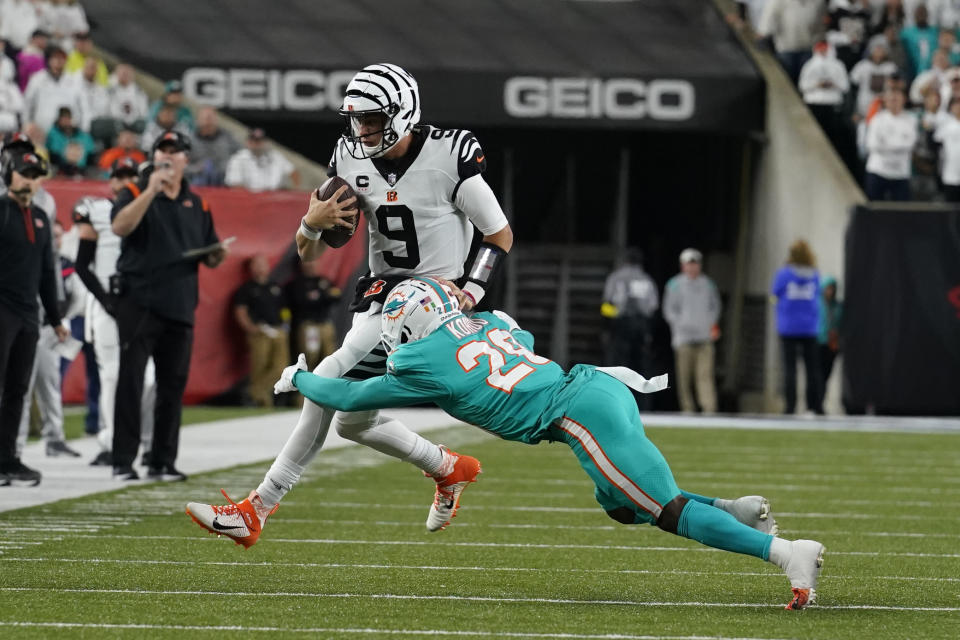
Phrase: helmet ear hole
(393, 109)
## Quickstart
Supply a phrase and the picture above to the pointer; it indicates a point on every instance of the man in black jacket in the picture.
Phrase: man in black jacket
(167, 231)
(27, 270)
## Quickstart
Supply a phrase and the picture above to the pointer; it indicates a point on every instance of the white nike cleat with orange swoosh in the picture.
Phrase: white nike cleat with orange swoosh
(238, 521)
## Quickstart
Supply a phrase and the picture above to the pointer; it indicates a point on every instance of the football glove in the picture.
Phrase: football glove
(285, 383)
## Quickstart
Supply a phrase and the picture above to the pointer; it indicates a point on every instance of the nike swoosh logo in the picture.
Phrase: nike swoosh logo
(449, 504)
(220, 527)
(480, 158)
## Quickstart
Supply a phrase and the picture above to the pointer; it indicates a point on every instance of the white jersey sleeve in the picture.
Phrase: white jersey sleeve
(108, 243)
(477, 200)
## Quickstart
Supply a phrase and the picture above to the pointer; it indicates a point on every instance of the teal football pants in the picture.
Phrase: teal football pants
(602, 425)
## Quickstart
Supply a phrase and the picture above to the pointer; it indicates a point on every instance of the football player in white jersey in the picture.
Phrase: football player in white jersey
(99, 248)
(422, 193)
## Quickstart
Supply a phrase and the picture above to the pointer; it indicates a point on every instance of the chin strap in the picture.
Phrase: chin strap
(489, 257)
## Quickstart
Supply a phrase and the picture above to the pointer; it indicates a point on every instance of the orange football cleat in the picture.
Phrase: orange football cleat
(238, 521)
(446, 500)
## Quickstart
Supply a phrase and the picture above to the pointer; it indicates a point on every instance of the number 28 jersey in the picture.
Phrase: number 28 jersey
(414, 206)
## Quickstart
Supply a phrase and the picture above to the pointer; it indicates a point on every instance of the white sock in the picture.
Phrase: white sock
(281, 477)
(426, 456)
(780, 552)
(722, 503)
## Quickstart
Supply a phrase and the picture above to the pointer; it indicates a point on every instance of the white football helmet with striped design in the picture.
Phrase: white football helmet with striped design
(380, 89)
(414, 309)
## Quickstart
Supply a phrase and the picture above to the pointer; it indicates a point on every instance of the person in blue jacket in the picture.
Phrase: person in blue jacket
(796, 287)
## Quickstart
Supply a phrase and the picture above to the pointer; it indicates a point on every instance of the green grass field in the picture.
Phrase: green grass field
(529, 556)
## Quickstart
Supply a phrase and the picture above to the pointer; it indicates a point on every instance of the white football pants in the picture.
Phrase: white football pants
(45, 380)
(360, 356)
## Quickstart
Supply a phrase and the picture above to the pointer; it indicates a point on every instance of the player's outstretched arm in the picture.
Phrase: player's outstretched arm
(381, 392)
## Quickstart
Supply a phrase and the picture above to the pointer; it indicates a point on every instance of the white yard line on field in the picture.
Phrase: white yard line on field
(370, 631)
(455, 568)
(459, 598)
(512, 545)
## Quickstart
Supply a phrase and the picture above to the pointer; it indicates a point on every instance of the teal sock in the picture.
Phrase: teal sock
(718, 529)
(697, 498)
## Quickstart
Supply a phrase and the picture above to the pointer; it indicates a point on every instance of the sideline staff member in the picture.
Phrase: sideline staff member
(28, 269)
(159, 220)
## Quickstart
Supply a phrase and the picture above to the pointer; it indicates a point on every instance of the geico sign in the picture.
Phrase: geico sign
(615, 98)
(266, 90)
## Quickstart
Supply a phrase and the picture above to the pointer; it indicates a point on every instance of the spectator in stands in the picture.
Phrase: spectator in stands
(212, 149)
(11, 100)
(8, 69)
(948, 135)
(38, 138)
(796, 287)
(630, 299)
(70, 147)
(828, 329)
(896, 51)
(65, 18)
(924, 185)
(869, 75)
(94, 99)
(165, 121)
(891, 135)
(823, 84)
(31, 58)
(258, 307)
(794, 26)
(128, 102)
(83, 51)
(933, 78)
(260, 167)
(947, 41)
(173, 97)
(848, 27)
(50, 89)
(691, 306)
(892, 17)
(312, 300)
(920, 41)
(19, 19)
(748, 13)
(127, 146)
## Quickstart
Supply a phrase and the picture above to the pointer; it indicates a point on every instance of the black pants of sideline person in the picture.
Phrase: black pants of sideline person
(144, 334)
(629, 346)
(18, 347)
(878, 188)
(809, 349)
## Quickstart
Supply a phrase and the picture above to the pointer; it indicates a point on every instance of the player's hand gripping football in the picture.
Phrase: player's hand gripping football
(285, 383)
(329, 213)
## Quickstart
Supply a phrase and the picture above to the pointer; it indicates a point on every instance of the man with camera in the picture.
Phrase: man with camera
(28, 270)
(166, 231)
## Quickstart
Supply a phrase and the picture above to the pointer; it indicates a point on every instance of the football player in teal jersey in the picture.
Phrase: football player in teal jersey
(482, 370)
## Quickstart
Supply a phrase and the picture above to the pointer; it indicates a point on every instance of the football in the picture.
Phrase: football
(339, 236)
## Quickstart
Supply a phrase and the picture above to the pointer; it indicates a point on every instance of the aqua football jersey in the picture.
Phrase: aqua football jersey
(476, 369)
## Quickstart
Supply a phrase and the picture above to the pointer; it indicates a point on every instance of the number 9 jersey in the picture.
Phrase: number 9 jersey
(419, 207)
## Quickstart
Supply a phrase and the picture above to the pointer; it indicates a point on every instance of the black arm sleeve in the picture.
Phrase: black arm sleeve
(85, 255)
(48, 284)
